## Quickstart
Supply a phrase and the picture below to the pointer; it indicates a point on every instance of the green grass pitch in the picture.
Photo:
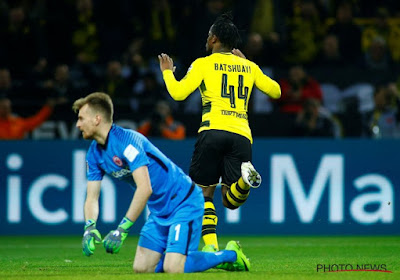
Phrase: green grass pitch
(271, 258)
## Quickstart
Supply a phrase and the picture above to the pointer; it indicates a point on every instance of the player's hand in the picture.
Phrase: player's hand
(166, 62)
(238, 53)
(91, 237)
(114, 240)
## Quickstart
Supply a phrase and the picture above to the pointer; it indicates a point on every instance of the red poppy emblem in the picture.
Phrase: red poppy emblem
(117, 161)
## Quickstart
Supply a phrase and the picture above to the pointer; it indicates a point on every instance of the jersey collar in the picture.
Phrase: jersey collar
(108, 136)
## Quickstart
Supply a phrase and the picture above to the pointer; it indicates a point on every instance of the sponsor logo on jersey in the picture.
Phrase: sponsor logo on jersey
(121, 173)
(235, 114)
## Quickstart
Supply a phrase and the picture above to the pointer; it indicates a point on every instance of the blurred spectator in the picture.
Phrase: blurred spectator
(162, 124)
(61, 84)
(265, 24)
(133, 61)
(313, 122)
(85, 44)
(351, 116)
(296, 89)
(377, 57)
(394, 98)
(382, 121)
(114, 84)
(162, 27)
(270, 53)
(9, 87)
(13, 127)
(85, 33)
(394, 40)
(147, 93)
(379, 27)
(389, 32)
(263, 18)
(5, 83)
(347, 32)
(22, 44)
(254, 48)
(304, 32)
(329, 55)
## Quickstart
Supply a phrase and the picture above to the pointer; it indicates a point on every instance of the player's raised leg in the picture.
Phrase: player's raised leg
(250, 175)
(237, 194)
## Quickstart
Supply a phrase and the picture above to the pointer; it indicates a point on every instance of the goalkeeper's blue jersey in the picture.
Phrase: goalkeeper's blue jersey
(126, 150)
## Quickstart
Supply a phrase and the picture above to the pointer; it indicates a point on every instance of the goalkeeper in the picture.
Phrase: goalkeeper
(170, 237)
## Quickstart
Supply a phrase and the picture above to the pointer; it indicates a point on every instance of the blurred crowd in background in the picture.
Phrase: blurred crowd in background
(338, 63)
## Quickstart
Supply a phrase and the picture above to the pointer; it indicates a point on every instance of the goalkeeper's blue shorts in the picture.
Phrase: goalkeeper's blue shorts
(180, 232)
(180, 237)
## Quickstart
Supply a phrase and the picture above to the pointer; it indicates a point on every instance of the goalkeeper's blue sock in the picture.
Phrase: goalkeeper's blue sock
(197, 261)
(160, 265)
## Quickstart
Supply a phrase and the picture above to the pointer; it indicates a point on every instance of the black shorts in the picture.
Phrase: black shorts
(219, 153)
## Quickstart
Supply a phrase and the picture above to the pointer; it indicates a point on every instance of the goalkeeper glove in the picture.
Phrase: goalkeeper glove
(114, 240)
(90, 237)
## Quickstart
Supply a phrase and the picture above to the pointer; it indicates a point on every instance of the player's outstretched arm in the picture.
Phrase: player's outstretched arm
(179, 90)
(114, 240)
(267, 85)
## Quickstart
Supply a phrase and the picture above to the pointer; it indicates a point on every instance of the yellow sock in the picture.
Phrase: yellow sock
(210, 220)
(242, 184)
(237, 195)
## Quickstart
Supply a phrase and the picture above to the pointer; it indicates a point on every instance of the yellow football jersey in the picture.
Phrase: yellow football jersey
(225, 82)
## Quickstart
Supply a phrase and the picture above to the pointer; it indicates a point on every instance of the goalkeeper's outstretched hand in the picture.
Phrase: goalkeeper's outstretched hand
(114, 240)
(90, 237)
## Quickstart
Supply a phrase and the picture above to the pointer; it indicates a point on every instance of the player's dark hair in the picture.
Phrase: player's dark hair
(226, 31)
(98, 101)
